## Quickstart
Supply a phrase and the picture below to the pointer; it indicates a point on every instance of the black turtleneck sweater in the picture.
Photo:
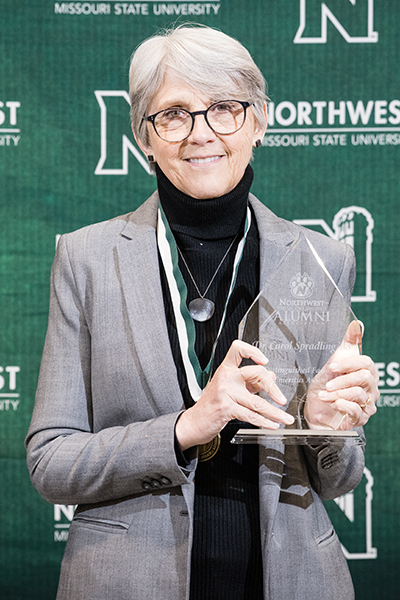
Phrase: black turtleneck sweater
(226, 553)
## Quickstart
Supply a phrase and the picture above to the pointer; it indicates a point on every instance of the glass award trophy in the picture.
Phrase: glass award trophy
(299, 320)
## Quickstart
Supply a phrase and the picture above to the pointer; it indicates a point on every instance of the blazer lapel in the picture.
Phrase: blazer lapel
(275, 237)
(140, 276)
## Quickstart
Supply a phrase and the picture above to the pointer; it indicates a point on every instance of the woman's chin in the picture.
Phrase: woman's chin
(206, 185)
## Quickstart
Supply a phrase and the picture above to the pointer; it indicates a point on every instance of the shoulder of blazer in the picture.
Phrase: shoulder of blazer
(337, 256)
(282, 231)
(100, 236)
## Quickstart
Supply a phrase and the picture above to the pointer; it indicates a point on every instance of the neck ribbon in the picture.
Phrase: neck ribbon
(197, 378)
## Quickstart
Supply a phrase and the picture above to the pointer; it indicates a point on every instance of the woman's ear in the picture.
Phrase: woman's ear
(259, 131)
(146, 149)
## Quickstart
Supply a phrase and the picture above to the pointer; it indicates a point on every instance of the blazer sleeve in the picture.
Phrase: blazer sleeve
(68, 461)
(337, 469)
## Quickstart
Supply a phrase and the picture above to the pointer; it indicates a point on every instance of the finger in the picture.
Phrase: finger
(350, 344)
(256, 419)
(262, 407)
(276, 394)
(362, 327)
(240, 350)
(354, 363)
(356, 394)
(257, 379)
(355, 416)
(363, 379)
(368, 407)
(354, 334)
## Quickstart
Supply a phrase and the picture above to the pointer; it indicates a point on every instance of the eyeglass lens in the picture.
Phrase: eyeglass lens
(175, 124)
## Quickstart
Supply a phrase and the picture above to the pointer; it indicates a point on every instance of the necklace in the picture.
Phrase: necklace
(197, 378)
(201, 308)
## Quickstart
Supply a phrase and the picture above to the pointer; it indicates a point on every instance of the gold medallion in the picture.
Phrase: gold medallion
(209, 450)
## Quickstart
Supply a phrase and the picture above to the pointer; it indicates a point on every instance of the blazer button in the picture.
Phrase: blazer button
(155, 483)
(146, 486)
(165, 481)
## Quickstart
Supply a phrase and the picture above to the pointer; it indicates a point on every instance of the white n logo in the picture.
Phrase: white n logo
(64, 509)
(358, 16)
(114, 147)
(353, 505)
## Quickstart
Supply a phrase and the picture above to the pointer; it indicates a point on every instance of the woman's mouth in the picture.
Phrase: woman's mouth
(202, 160)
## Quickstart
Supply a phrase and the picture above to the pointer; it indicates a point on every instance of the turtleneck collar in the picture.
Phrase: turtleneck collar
(214, 218)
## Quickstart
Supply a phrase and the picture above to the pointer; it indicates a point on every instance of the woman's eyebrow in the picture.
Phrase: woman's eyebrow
(179, 102)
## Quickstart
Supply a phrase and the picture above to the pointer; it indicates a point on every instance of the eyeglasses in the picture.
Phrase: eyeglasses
(176, 124)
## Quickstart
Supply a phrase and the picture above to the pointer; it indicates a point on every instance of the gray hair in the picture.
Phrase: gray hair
(205, 58)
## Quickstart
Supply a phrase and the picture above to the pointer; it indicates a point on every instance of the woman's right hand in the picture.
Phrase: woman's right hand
(231, 394)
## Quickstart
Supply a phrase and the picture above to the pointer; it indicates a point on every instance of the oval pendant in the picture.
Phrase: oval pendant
(209, 450)
(201, 309)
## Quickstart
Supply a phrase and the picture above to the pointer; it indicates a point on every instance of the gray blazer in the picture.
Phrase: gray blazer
(102, 431)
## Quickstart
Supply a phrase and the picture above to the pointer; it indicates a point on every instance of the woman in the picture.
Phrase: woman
(144, 311)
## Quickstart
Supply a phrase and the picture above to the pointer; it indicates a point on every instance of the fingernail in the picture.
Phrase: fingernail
(330, 385)
(323, 395)
(289, 419)
(334, 367)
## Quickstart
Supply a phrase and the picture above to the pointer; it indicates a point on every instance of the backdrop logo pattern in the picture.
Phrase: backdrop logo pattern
(149, 8)
(127, 145)
(63, 515)
(8, 117)
(357, 506)
(369, 123)
(360, 10)
(9, 400)
(389, 384)
(352, 225)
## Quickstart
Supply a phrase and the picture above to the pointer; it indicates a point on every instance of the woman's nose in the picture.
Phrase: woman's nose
(201, 132)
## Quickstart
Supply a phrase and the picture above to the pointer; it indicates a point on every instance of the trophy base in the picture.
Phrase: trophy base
(305, 437)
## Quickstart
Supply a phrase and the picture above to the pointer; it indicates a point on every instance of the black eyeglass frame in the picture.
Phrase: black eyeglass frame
(151, 118)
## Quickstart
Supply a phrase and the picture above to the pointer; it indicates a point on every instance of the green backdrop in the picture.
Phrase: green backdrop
(67, 159)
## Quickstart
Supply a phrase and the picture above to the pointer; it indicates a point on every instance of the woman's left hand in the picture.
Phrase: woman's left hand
(344, 393)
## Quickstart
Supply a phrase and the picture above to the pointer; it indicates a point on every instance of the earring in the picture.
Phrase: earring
(150, 158)
(258, 143)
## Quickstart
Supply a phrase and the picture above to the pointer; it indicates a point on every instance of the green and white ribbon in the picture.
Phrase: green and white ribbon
(196, 378)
